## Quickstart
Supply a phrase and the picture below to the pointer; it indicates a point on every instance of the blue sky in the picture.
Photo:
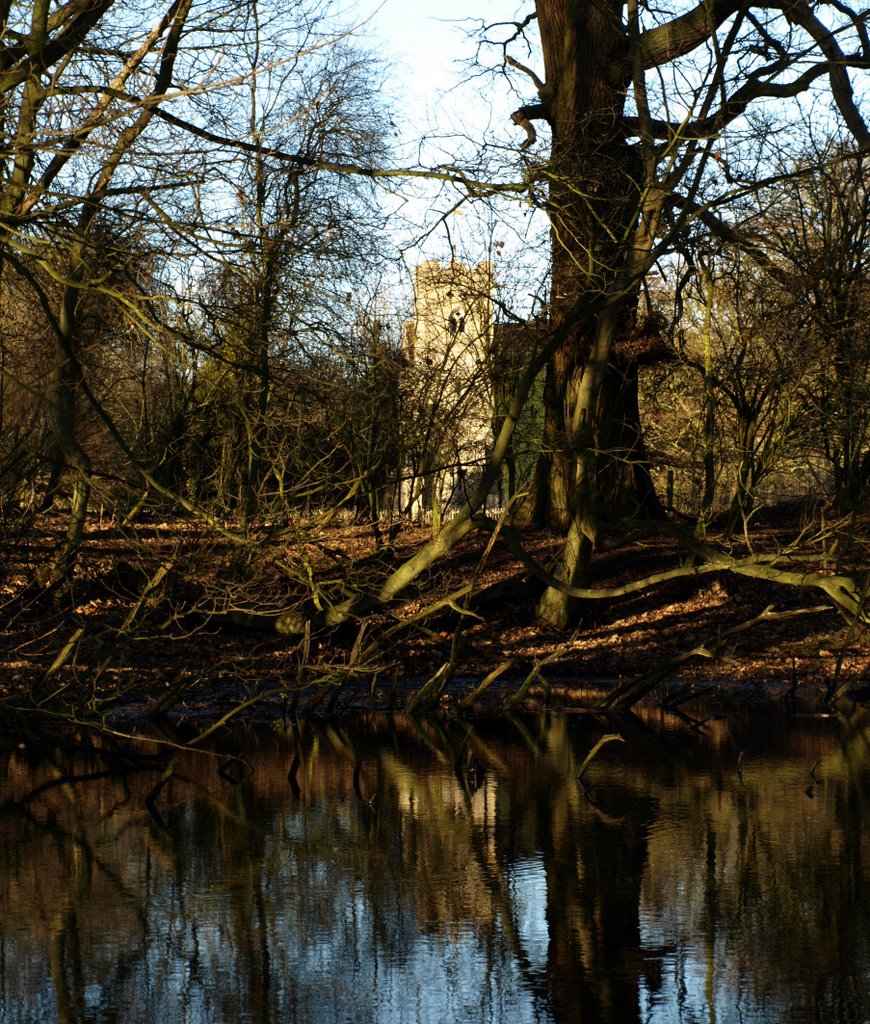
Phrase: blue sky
(426, 47)
(427, 39)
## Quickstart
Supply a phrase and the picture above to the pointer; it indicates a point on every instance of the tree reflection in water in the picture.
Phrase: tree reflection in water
(392, 869)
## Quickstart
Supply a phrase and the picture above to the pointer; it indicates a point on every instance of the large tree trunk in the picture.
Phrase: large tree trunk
(593, 183)
(592, 466)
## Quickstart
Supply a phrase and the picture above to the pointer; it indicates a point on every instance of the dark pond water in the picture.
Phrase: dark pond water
(392, 870)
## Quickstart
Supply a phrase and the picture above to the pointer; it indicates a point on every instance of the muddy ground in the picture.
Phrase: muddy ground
(149, 624)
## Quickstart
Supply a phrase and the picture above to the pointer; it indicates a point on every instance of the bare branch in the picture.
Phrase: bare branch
(682, 35)
(539, 85)
(734, 105)
(523, 118)
(627, 695)
(18, 64)
(837, 62)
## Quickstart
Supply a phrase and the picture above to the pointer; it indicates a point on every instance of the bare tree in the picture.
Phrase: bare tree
(276, 299)
(114, 124)
(817, 229)
(647, 108)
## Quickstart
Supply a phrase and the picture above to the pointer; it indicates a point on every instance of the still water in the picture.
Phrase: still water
(397, 870)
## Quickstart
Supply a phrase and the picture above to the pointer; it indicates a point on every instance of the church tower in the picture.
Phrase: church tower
(448, 346)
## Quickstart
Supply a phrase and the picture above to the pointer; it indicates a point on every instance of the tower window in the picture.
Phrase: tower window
(456, 323)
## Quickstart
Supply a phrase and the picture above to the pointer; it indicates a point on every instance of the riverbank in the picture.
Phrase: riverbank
(166, 619)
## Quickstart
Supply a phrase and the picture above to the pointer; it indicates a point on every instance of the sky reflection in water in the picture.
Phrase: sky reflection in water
(426, 872)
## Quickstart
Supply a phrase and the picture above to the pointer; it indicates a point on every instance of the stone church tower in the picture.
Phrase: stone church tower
(448, 346)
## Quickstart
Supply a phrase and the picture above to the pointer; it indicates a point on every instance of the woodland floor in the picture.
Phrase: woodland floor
(144, 628)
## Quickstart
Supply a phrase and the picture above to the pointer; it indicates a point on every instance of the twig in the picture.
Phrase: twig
(610, 737)
(524, 688)
(625, 696)
(485, 683)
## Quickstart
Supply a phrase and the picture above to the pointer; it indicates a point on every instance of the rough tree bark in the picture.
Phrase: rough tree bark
(604, 205)
(612, 167)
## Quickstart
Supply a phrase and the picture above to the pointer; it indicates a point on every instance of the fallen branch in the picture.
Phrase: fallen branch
(485, 684)
(625, 696)
(611, 737)
(844, 591)
(537, 669)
